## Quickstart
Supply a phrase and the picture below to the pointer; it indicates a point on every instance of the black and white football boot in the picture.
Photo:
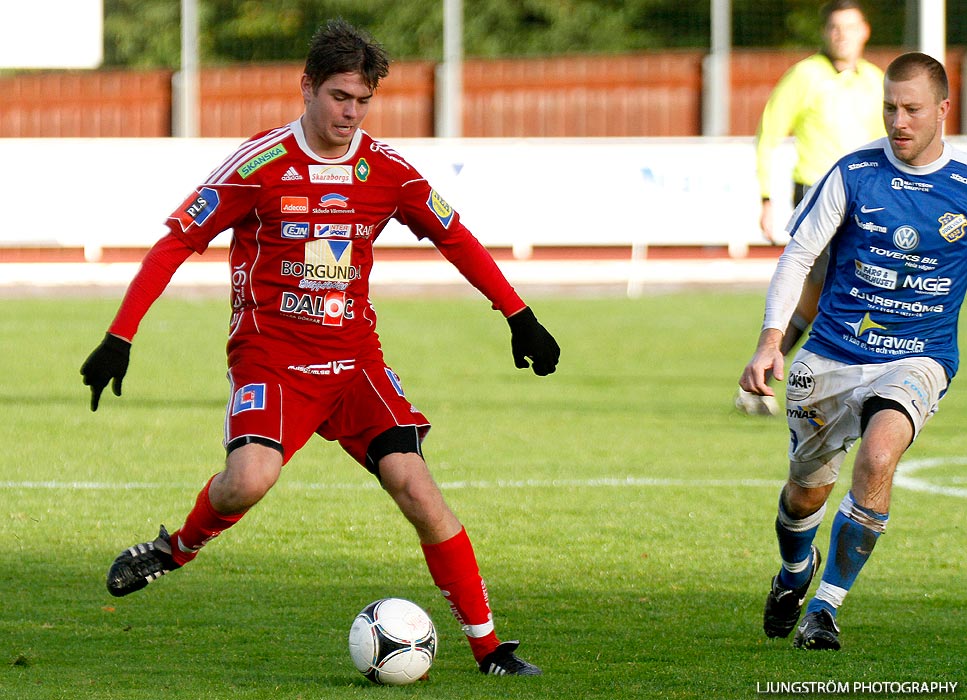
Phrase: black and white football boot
(784, 605)
(141, 564)
(818, 631)
(503, 662)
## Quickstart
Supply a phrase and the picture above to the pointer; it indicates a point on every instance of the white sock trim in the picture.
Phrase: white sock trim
(477, 631)
(810, 521)
(796, 567)
(851, 510)
(828, 593)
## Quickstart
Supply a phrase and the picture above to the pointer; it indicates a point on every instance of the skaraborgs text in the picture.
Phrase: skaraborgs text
(857, 688)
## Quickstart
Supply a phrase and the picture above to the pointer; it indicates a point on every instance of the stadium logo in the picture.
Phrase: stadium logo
(250, 397)
(331, 174)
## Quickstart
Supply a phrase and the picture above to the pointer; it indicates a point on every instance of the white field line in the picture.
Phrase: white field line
(904, 478)
(362, 485)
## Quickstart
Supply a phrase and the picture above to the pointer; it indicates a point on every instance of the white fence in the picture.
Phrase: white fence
(513, 193)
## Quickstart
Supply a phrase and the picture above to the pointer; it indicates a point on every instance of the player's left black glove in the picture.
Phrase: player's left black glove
(530, 340)
(108, 362)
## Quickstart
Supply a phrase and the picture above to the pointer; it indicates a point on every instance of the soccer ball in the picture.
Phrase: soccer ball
(392, 642)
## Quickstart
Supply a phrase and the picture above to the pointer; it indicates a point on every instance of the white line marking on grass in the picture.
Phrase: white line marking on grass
(604, 482)
(904, 478)
(905, 470)
(80, 485)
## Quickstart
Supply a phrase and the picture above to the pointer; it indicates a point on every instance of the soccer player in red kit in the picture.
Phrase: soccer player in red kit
(306, 202)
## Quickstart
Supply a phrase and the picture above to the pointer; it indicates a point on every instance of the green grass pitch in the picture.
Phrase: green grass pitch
(621, 510)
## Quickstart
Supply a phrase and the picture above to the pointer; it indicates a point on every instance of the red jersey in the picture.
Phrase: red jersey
(302, 248)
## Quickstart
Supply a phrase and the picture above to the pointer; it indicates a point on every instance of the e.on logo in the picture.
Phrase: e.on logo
(295, 205)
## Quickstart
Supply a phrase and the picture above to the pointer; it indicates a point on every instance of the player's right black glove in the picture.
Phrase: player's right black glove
(108, 362)
(529, 339)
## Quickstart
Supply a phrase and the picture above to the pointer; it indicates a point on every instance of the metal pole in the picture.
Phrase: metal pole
(716, 73)
(449, 74)
(933, 29)
(186, 117)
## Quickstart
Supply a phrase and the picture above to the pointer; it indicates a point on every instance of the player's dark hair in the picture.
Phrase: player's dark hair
(339, 47)
(907, 66)
(838, 6)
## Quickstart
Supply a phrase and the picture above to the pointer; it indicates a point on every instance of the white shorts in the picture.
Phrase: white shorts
(824, 407)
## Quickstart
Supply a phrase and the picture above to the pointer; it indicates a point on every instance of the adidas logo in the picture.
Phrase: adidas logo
(291, 174)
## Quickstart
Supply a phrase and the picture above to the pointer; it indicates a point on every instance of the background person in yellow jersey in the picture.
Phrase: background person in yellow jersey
(831, 103)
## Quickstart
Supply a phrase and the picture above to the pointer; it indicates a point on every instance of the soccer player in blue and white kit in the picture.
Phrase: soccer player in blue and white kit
(883, 347)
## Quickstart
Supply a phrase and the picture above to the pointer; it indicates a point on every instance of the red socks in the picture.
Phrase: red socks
(452, 565)
(203, 523)
(453, 568)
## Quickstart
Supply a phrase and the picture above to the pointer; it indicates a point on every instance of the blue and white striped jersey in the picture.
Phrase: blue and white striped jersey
(898, 256)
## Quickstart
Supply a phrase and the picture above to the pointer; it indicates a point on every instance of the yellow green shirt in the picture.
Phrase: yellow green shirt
(827, 112)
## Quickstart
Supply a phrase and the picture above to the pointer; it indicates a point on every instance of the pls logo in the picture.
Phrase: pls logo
(197, 208)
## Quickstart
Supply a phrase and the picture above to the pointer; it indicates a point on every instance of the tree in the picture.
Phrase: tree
(145, 33)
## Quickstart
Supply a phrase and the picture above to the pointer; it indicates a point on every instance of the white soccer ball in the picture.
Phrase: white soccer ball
(392, 642)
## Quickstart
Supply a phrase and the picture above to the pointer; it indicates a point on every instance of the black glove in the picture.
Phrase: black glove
(108, 361)
(529, 339)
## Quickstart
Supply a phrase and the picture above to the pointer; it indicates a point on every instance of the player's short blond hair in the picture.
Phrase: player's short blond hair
(907, 66)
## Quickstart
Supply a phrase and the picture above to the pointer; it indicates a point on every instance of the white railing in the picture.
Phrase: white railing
(512, 193)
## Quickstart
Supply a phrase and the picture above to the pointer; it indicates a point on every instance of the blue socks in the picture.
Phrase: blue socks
(854, 534)
(795, 543)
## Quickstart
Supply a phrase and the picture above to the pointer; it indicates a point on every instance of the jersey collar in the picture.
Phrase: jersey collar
(300, 137)
(918, 169)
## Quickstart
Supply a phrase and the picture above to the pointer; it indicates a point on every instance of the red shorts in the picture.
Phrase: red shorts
(349, 402)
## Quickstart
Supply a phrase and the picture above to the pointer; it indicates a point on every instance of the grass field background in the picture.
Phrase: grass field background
(621, 512)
